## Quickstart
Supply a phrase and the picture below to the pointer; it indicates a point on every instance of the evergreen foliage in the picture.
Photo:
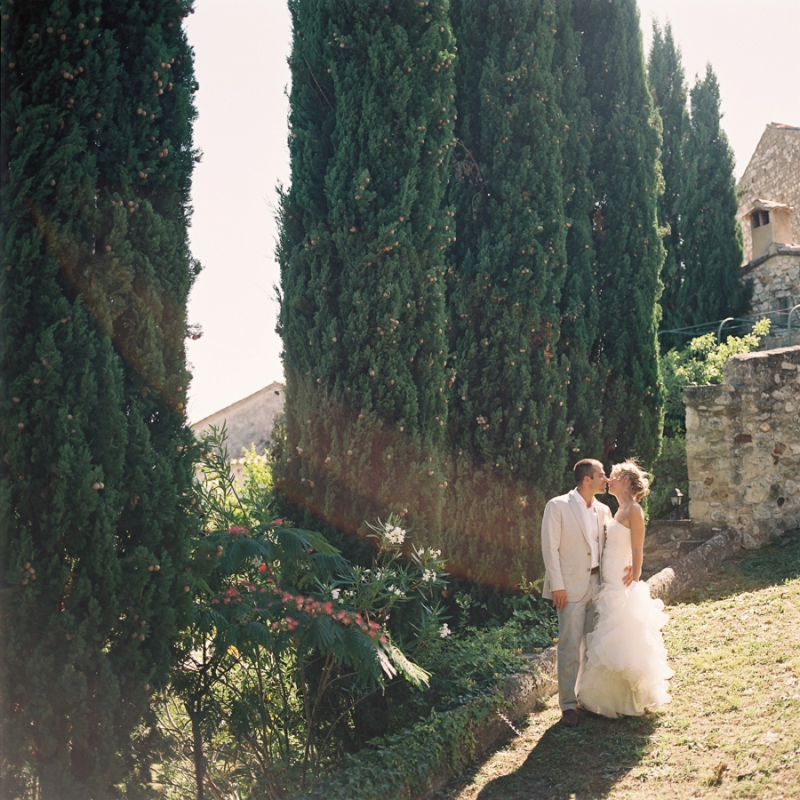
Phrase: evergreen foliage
(628, 251)
(712, 238)
(96, 458)
(580, 302)
(667, 83)
(700, 363)
(362, 263)
(508, 415)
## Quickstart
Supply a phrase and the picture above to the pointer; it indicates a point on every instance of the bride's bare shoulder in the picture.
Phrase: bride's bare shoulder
(630, 515)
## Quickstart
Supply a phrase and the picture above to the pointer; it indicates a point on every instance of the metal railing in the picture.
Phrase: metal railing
(783, 321)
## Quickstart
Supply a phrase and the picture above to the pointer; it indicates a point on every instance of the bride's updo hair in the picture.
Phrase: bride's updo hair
(638, 479)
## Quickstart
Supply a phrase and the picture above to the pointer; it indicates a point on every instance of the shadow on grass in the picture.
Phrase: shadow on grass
(581, 763)
(751, 570)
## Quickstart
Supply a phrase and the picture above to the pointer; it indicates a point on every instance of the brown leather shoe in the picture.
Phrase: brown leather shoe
(569, 717)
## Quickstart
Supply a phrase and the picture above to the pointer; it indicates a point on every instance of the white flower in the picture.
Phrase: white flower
(444, 631)
(428, 576)
(394, 590)
(395, 535)
(335, 593)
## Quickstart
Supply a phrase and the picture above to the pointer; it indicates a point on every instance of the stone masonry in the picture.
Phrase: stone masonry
(775, 277)
(743, 446)
(772, 174)
(668, 541)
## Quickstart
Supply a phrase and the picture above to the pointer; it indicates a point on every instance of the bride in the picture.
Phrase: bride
(626, 668)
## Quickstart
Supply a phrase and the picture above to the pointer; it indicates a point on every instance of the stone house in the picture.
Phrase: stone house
(249, 422)
(769, 211)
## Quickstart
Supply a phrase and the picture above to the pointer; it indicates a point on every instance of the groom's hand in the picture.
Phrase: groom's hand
(627, 576)
(560, 598)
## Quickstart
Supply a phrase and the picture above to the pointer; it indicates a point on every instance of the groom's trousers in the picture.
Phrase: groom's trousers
(575, 620)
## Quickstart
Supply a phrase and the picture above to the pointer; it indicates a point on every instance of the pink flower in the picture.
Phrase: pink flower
(262, 568)
(328, 607)
(237, 529)
(278, 521)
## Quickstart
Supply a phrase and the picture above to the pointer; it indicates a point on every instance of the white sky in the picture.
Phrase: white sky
(241, 47)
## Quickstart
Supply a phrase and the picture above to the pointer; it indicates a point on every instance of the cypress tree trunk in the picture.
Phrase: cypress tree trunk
(508, 415)
(712, 238)
(628, 250)
(96, 165)
(665, 74)
(362, 262)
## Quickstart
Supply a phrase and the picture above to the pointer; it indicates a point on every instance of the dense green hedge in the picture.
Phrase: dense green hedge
(398, 766)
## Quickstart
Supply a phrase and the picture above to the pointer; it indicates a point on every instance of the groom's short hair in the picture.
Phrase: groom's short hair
(585, 469)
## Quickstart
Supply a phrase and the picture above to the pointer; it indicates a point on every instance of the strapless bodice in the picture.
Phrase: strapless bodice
(616, 553)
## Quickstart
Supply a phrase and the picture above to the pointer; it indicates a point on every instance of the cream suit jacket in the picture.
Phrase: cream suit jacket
(565, 545)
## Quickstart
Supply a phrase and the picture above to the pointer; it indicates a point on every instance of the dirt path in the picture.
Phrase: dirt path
(732, 730)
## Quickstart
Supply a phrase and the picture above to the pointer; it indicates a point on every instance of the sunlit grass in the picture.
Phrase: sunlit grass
(731, 731)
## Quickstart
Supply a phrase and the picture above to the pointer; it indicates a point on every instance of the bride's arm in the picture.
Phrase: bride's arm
(636, 520)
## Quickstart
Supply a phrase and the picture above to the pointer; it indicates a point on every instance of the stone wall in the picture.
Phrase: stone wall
(776, 278)
(743, 446)
(668, 541)
(772, 174)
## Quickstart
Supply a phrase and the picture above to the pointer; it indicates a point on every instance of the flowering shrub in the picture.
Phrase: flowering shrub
(414, 579)
(287, 637)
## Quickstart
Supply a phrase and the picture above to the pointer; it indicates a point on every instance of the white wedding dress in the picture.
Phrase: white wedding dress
(626, 668)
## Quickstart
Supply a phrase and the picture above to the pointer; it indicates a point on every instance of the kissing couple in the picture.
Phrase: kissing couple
(611, 655)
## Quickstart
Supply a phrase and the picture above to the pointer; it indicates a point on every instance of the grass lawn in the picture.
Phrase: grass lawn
(731, 731)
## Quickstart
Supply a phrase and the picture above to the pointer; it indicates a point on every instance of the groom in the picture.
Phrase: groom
(573, 534)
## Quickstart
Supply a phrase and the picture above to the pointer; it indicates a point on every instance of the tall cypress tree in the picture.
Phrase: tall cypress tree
(362, 261)
(712, 238)
(579, 306)
(667, 83)
(508, 415)
(628, 250)
(96, 163)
